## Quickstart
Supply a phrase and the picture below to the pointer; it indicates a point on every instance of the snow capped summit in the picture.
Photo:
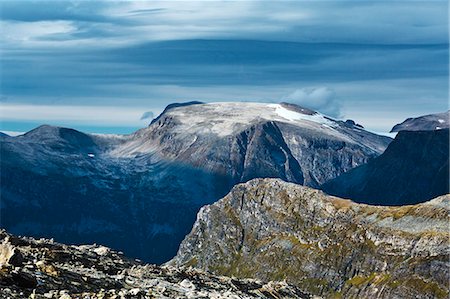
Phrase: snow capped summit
(225, 138)
(226, 118)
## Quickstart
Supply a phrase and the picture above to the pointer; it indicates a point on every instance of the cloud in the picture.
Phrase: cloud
(111, 23)
(322, 99)
(152, 53)
(147, 115)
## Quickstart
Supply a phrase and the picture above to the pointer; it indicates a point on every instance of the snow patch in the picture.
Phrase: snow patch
(441, 121)
(296, 116)
(13, 133)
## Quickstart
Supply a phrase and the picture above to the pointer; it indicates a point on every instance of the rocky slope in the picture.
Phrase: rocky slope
(41, 268)
(140, 193)
(429, 122)
(414, 168)
(273, 230)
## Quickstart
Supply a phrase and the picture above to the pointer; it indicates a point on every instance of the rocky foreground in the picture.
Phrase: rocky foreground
(42, 268)
(331, 247)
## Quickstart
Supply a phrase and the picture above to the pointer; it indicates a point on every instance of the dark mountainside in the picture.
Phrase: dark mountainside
(413, 169)
(42, 268)
(272, 230)
(140, 193)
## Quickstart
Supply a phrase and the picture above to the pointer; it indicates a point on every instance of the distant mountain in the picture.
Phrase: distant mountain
(414, 168)
(429, 122)
(248, 140)
(45, 269)
(272, 230)
(140, 192)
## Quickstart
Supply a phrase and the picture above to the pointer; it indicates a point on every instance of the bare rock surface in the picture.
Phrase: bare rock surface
(273, 230)
(52, 270)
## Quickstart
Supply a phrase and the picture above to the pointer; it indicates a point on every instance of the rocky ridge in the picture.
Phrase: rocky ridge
(31, 268)
(273, 230)
(430, 122)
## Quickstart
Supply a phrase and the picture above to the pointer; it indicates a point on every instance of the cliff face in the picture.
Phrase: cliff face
(414, 168)
(273, 230)
(39, 269)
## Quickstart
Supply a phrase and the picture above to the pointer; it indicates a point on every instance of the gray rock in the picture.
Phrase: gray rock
(272, 230)
(63, 271)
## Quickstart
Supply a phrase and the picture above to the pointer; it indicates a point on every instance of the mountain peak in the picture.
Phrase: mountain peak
(175, 105)
(430, 122)
(228, 118)
(43, 130)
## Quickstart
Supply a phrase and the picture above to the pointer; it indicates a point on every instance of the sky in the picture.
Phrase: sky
(110, 66)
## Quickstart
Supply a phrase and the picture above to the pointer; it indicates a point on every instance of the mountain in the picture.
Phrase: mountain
(414, 168)
(45, 269)
(140, 193)
(61, 183)
(429, 122)
(247, 140)
(273, 230)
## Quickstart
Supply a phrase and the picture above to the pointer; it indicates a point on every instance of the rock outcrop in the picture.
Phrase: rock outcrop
(140, 193)
(273, 230)
(428, 122)
(413, 169)
(31, 268)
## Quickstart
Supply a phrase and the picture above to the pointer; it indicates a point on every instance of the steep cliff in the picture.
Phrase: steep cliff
(273, 230)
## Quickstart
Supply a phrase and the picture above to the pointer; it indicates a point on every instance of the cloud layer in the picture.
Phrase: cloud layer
(338, 56)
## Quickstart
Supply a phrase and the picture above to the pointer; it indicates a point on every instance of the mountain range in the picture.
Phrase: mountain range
(252, 173)
(140, 193)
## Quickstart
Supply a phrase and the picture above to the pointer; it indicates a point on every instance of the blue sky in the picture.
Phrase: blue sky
(99, 66)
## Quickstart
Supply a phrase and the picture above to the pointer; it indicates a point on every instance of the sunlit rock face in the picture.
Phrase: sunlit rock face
(140, 192)
(273, 230)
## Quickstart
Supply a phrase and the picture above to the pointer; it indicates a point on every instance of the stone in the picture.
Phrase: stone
(139, 280)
